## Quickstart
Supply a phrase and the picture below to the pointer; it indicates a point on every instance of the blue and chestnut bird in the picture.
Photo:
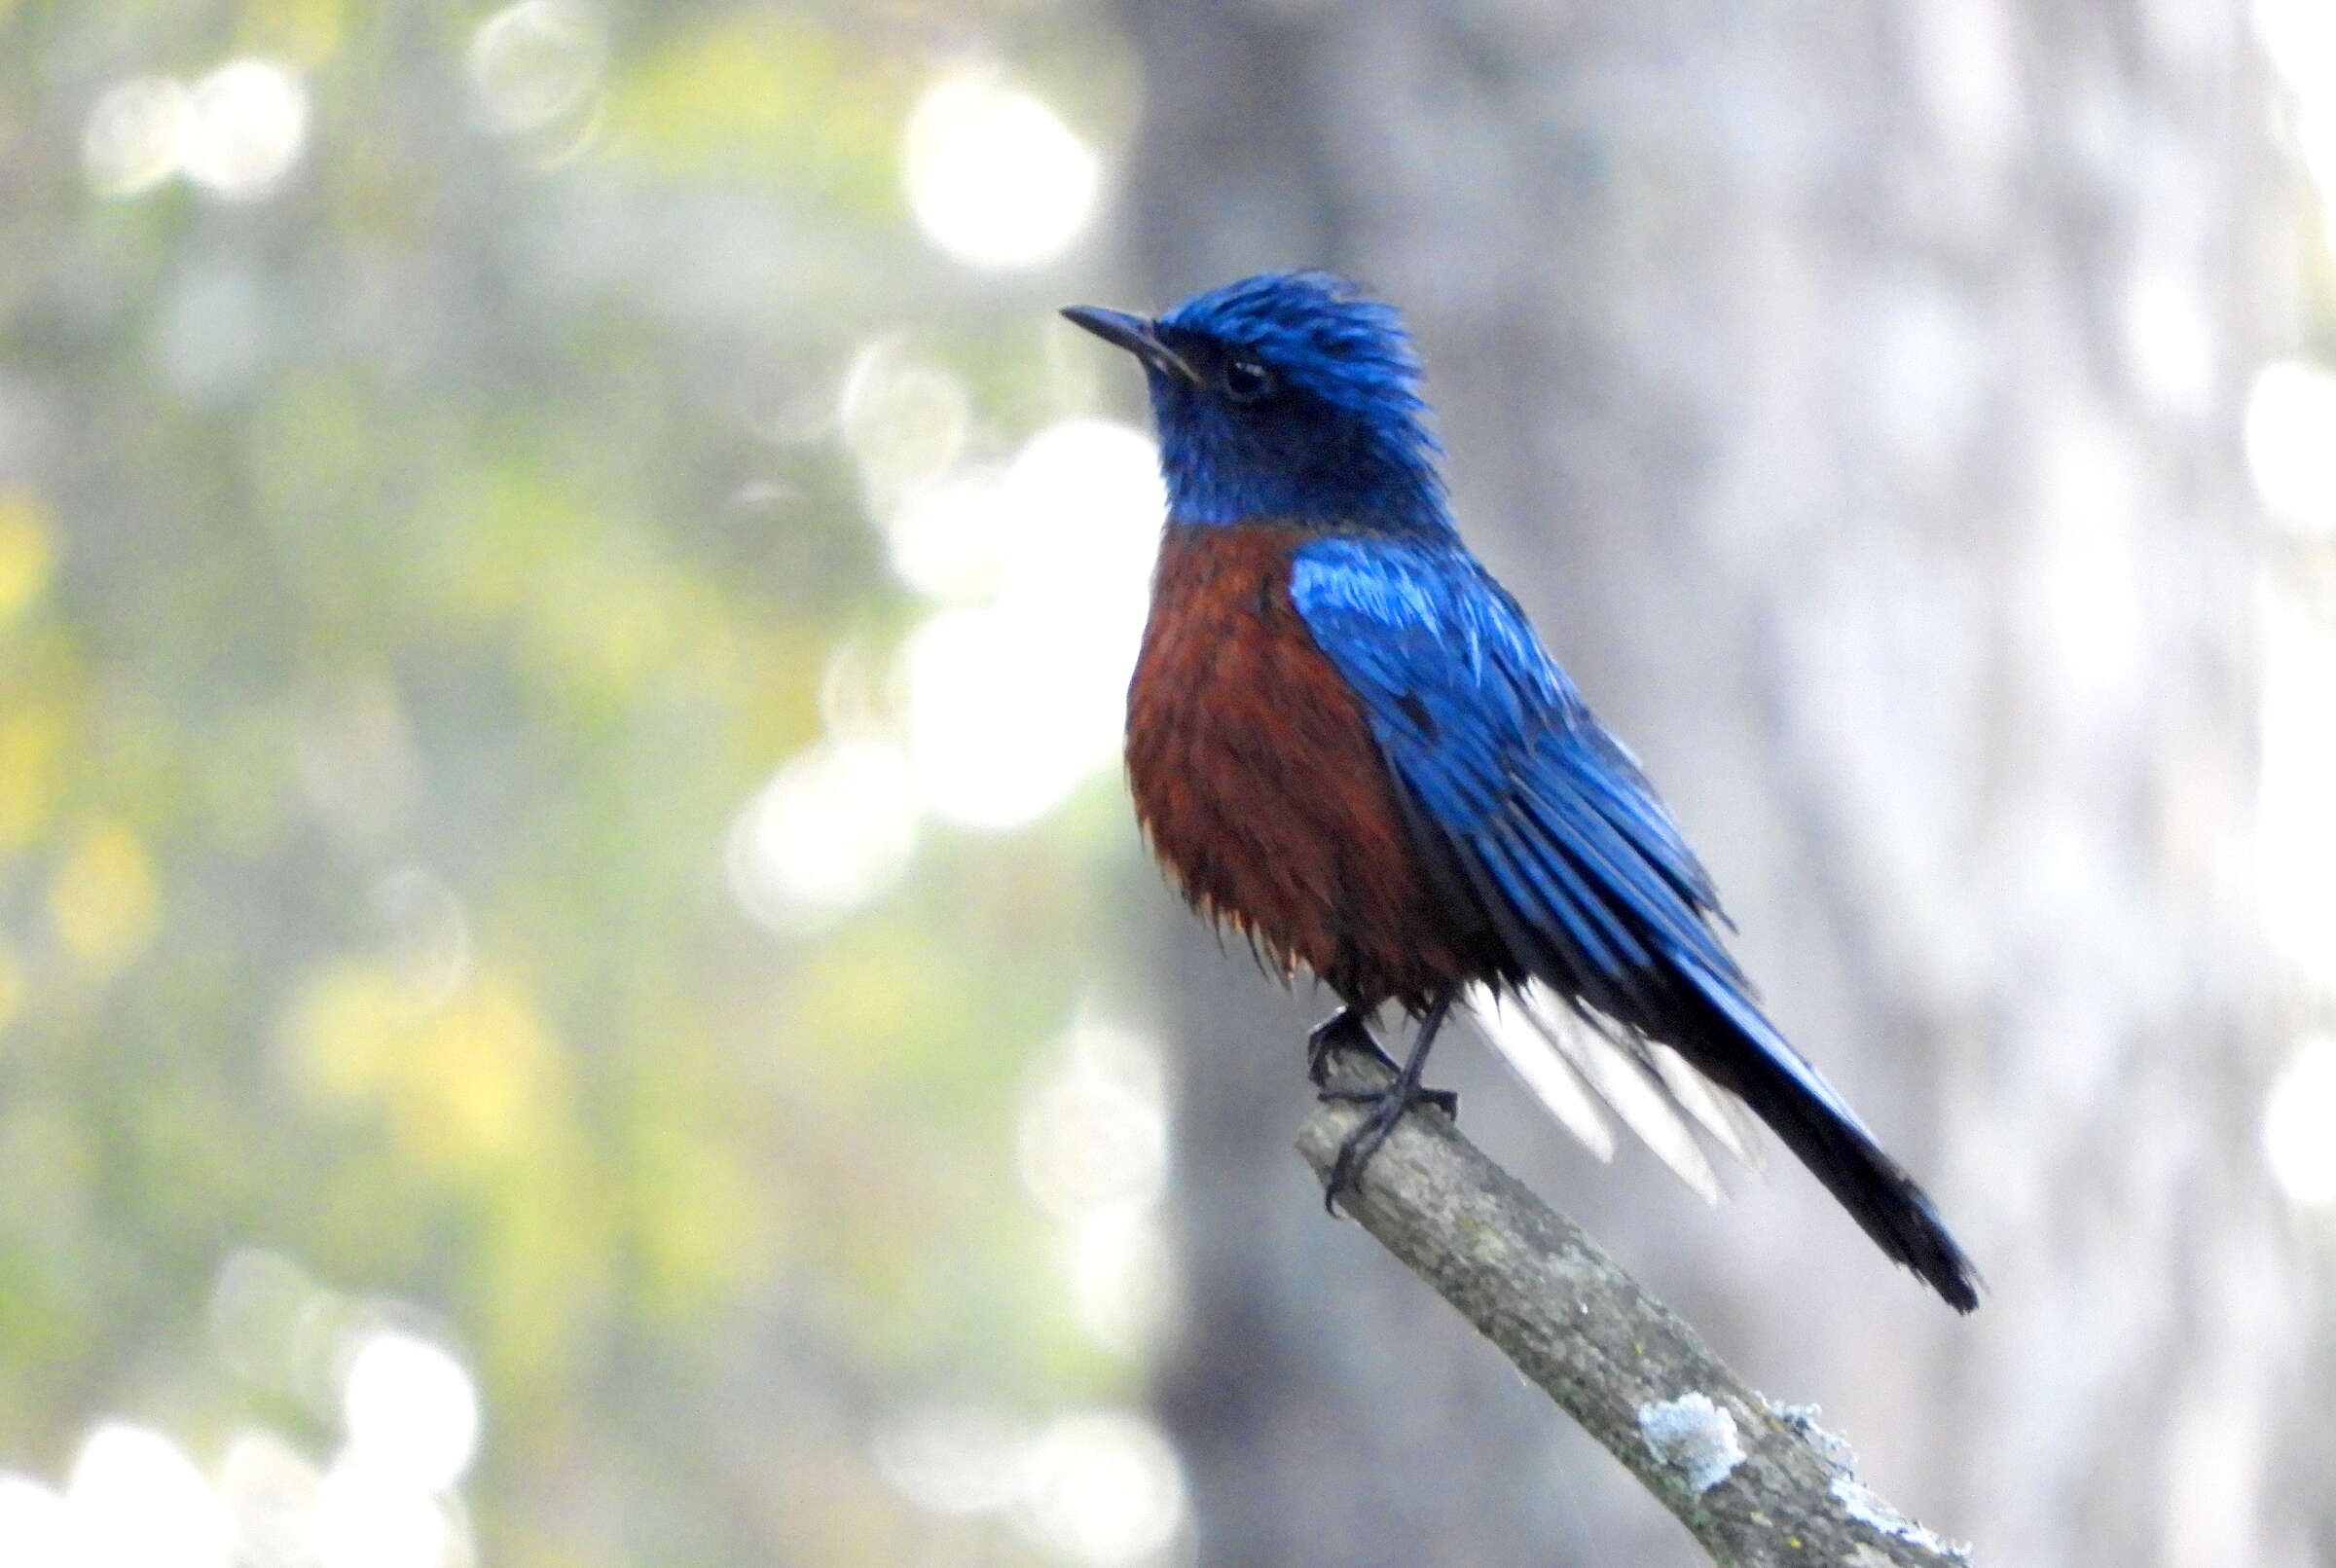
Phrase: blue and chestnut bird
(1347, 744)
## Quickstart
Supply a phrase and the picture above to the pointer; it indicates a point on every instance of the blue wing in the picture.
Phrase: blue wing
(1547, 824)
(1573, 859)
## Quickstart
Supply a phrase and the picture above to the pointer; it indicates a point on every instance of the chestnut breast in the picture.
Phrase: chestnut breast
(1256, 779)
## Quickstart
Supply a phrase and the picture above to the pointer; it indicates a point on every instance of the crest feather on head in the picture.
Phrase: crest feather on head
(1318, 329)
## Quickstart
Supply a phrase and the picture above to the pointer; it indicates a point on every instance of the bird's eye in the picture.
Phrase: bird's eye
(1246, 380)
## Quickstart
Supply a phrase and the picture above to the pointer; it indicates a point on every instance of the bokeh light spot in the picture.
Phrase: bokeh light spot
(995, 177)
(244, 127)
(2299, 37)
(141, 1503)
(1104, 1487)
(954, 1459)
(2292, 443)
(1093, 1153)
(1091, 1141)
(535, 61)
(367, 1517)
(949, 538)
(1124, 1284)
(134, 132)
(410, 1409)
(831, 831)
(36, 1528)
(992, 748)
(903, 421)
(1086, 501)
(2171, 338)
(2295, 831)
(271, 1491)
(2297, 1115)
(1013, 703)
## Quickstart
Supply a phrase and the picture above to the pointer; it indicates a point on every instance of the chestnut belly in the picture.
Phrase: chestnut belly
(1256, 779)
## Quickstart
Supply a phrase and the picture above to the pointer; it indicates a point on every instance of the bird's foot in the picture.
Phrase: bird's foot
(1342, 1031)
(1387, 1104)
(1447, 1101)
(1387, 1108)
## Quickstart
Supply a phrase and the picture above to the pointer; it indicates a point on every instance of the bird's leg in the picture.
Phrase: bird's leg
(1388, 1105)
(1347, 1031)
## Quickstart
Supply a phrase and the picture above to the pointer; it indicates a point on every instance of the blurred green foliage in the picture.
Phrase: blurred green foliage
(405, 579)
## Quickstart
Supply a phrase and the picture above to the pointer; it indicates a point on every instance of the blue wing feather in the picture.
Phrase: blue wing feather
(1575, 861)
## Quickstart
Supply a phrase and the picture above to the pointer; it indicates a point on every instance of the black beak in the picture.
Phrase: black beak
(1134, 334)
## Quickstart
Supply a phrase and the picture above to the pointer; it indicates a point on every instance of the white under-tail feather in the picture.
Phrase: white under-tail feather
(1576, 1064)
(1729, 1120)
(1517, 1040)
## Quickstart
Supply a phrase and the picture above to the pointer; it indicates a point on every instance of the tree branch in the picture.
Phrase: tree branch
(1758, 1485)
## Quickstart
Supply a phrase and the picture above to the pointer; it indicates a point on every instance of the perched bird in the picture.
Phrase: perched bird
(1346, 744)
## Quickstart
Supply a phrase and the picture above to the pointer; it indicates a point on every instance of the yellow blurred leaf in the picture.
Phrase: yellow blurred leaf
(32, 736)
(545, 1275)
(490, 1061)
(346, 1025)
(11, 987)
(105, 901)
(27, 554)
(763, 93)
(468, 1081)
(502, 531)
(707, 1224)
(605, 624)
(307, 32)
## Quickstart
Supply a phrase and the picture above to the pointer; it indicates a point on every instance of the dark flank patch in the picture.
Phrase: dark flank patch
(1421, 720)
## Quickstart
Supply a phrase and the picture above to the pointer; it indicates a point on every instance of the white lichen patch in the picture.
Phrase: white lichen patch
(1693, 1437)
(1860, 1504)
(1802, 1421)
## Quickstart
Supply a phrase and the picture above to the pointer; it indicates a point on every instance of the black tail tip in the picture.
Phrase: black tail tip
(1960, 1291)
(1926, 1247)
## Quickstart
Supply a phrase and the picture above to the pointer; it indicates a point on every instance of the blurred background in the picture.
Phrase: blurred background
(576, 984)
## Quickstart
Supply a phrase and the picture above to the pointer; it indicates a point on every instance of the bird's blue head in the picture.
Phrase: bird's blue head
(1288, 398)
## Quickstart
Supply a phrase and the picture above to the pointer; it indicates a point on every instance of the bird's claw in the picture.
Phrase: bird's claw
(1447, 1101)
(1387, 1108)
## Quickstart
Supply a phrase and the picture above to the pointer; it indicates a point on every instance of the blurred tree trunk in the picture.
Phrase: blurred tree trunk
(1851, 391)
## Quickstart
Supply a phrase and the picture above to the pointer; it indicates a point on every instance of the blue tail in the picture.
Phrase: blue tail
(1727, 1041)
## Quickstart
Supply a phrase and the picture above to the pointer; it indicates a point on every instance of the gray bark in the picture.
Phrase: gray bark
(1850, 392)
(1758, 1484)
